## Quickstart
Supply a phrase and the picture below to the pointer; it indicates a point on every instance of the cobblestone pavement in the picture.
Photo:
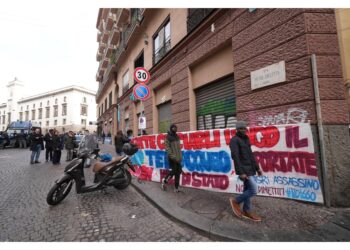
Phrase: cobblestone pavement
(114, 215)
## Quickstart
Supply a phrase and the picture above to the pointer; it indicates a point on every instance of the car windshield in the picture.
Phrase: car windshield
(88, 143)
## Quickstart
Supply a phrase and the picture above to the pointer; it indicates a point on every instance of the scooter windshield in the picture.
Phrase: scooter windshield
(88, 144)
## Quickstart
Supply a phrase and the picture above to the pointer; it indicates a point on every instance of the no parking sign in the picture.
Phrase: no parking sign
(141, 92)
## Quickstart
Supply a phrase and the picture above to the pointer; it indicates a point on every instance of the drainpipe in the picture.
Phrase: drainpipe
(326, 190)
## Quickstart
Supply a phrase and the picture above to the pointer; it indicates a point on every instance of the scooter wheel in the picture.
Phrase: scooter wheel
(126, 183)
(58, 192)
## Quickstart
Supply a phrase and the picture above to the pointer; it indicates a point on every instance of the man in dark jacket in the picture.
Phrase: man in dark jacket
(173, 149)
(48, 145)
(69, 144)
(36, 145)
(119, 141)
(245, 167)
(57, 144)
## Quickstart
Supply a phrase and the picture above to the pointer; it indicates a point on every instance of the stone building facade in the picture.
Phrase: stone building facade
(201, 73)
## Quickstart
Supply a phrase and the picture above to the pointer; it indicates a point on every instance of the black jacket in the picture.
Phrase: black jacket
(119, 142)
(48, 141)
(172, 147)
(69, 142)
(242, 155)
(57, 142)
(36, 139)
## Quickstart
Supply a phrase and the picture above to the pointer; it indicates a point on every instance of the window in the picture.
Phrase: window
(56, 101)
(55, 111)
(64, 109)
(40, 124)
(83, 122)
(110, 99)
(47, 115)
(34, 106)
(27, 107)
(27, 116)
(40, 115)
(64, 122)
(41, 104)
(47, 123)
(106, 103)
(83, 110)
(84, 99)
(33, 115)
(102, 108)
(164, 117)
(22, 108)
(3, 119)
(65, 99)
(48, 103)
(161, 42)
(126, 81)
(99, 111)
(21, 116)
(55, 122)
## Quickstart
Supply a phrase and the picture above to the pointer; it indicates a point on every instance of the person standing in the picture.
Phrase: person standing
(36, 145)
(48, 145)
(119, 141)
(69, 144)
(173, 149)
(22, 139)
(103, 137)
(57, 144)
(129, 134)
(246, 168)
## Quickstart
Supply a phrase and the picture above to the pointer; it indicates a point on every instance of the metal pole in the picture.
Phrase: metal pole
(324, 166)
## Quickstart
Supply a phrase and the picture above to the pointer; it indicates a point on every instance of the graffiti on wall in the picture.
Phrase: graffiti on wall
(292, 116)
(285, 154)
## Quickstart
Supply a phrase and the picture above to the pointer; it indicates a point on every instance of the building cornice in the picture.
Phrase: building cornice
(58, 91)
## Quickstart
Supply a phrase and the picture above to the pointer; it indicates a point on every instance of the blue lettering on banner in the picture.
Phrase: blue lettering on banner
(200, 161)
(297, 182)
(300, 194)
(203, 161)
(262, 180)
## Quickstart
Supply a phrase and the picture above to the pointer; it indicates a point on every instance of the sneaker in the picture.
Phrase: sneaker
(163, 185)
(251, 216)
(32, 162)
(37, 162)
(176, 190)
(235, 208)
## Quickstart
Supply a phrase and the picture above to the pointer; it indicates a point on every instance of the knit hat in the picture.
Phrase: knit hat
(241, 124)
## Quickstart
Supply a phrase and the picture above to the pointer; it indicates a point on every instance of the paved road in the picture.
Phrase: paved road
(117, 215)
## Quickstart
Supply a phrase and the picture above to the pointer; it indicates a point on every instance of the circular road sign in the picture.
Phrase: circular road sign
(141, 92)
(141, 75)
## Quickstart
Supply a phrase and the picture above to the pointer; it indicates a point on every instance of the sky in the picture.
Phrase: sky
(52, 44)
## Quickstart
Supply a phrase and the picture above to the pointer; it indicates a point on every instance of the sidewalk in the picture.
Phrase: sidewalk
(283, 219)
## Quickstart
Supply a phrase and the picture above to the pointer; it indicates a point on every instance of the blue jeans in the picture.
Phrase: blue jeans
(250, 189)
(35, 153)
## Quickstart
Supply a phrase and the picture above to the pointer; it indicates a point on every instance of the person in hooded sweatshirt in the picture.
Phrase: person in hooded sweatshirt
(173, 149)
(246, 168)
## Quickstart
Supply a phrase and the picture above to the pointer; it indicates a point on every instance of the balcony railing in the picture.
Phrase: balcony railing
(136, 18)
(111, 18)
(114, 37)
(196, 16)
(161, 52)
(98, 56)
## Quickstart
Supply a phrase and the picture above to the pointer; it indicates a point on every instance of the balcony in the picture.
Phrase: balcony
(136, 18)
(98, 56)
(196, 16)
(111, 69)
(109, 50)
(105, 36)
(114, 37)
(122, 17)
(98, 76)
(99, 35)
(110, 20)
(104, 63)
(101, 47)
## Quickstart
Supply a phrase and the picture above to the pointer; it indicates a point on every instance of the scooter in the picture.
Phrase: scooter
(114, 173)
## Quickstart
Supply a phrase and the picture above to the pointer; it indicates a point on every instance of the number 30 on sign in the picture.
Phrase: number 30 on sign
(141, 75)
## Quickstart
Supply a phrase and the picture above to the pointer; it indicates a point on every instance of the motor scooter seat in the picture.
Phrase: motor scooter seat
(100, 166)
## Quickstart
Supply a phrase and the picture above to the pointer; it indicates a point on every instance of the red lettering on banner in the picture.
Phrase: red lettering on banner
(198, 180)
(292, 138)
(200, 140)
(264, 137)
(160, 141)
(275, 161)
(229, 133)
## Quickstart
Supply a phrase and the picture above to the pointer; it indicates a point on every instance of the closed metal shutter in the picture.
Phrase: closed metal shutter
(164, 117)
(216, 104)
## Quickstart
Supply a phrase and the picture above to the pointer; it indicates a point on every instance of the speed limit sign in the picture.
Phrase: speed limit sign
(141, 75)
